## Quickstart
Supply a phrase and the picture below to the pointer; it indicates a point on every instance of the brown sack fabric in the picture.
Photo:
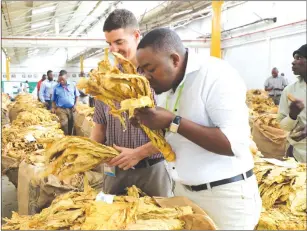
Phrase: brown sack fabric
(270, 141)
(35, 194)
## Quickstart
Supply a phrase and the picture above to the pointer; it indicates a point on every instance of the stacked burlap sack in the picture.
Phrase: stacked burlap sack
(83, 123)
(259, 103)
(4, 109)
(270, 138)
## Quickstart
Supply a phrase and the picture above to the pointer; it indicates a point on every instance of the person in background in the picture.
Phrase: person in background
(26, 87)
(91, 98)
(292, 108)
(39, 83)
(20, 89)
(207, 122)
(275, 85)
(64, 98)
(83, 97)
(138, 163)
(46, 90)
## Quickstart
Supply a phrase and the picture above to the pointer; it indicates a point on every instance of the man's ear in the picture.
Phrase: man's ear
(137, 34)
(175, 59)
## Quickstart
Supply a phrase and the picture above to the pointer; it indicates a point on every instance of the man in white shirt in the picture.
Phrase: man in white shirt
(26, 87)
(46, 90)
(292, 112)
(209, 132)
(275, 85)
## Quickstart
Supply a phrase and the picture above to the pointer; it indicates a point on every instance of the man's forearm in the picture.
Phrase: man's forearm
(98, 133)
(76, 100)
(147, 150)
(53, 105)
(211, 139)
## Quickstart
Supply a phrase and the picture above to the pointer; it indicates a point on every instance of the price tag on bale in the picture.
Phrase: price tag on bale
(30, 138)
(281, 163)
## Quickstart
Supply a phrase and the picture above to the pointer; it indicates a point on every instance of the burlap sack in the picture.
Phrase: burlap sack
(78, 121)
(79, 118)
(13, 113)
(4, 116)
(270, 141)
(87, 126)
(35, 193)
(12, 175)
(8, 163)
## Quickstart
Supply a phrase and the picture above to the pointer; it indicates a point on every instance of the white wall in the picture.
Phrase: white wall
(3, 62)
(254, 50)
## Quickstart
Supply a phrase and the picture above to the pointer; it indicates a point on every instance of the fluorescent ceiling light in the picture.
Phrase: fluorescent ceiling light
(39, 24)
(43, 10)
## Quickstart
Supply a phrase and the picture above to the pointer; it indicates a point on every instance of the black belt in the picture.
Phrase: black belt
(146, 163)
(220, 182)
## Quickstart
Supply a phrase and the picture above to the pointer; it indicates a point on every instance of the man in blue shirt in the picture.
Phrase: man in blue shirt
(64, 98)
(46, 90)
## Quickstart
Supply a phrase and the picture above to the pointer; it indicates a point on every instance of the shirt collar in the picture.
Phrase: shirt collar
(193, 65)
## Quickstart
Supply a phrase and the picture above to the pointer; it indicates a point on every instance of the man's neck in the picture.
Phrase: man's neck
(182, 72)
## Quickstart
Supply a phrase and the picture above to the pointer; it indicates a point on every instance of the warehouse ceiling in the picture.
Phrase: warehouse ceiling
(51, 19)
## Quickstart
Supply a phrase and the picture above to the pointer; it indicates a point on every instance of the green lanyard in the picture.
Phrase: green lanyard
(177, 100)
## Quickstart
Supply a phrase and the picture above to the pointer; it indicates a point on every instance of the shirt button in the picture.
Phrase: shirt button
(173, 168)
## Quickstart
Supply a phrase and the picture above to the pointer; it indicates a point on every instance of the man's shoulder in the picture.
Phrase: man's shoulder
(292, 86)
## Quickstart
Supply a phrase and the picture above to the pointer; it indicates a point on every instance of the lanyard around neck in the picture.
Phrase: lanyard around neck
(177, 100)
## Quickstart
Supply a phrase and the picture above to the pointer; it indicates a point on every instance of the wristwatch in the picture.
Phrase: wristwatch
(175, 124)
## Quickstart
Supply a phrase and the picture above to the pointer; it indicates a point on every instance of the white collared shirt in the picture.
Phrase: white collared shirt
(213, 96)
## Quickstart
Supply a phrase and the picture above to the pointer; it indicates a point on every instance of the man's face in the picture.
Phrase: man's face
(299, 66)
(123, 41)
(44, 77)
(50, 76)
(62, 79)
(159, 68)
(274, 73)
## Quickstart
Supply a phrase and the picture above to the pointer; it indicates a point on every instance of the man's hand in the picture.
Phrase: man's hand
(296, 107)
(134, 122)
(269, 88)
(154, 118)
(299, 134)
(46, 104)
(74, 108)
(53, 110)
(126, 159)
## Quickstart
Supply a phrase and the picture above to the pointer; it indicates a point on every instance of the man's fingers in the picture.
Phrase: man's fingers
(118, 162)
(120, 149)
(115, 159)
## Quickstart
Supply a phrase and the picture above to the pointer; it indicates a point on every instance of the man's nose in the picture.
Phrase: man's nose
(293, 62)
(113, 48)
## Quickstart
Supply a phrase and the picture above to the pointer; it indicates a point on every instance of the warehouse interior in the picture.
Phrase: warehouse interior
(254, 37)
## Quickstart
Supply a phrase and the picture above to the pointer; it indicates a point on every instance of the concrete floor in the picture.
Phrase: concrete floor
(9, 198)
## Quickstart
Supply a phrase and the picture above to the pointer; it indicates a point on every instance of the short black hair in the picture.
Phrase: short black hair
(120, 18)
(44, 75)
(48, 72)
(62, 72)
(162, 39)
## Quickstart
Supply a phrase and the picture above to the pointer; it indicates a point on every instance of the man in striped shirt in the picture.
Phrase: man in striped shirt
(139, 163)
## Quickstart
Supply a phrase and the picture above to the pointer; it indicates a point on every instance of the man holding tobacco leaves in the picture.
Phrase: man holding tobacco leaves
(292, 108)
(139, 163)
(207, 122)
